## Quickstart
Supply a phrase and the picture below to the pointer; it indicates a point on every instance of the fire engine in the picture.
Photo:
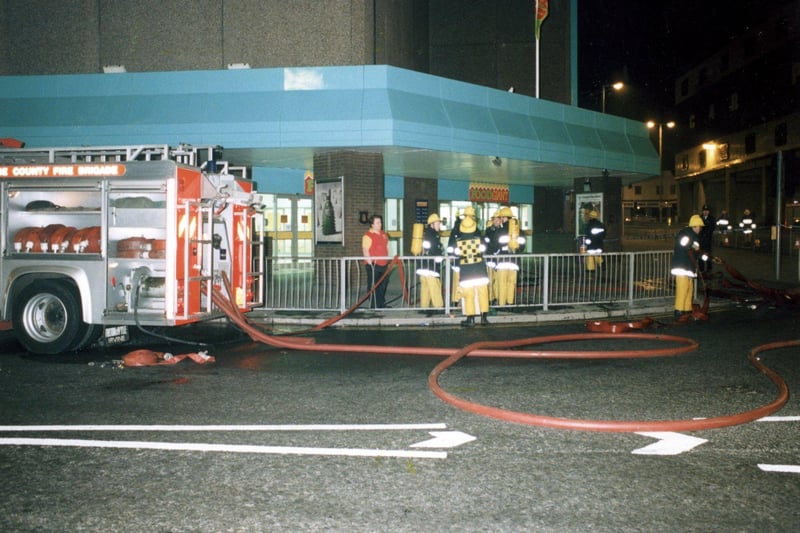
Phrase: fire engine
(96, 240)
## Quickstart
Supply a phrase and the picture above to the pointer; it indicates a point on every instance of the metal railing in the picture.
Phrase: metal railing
(543, 281)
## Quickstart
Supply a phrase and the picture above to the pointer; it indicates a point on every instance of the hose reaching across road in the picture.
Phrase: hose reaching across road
(513, 349)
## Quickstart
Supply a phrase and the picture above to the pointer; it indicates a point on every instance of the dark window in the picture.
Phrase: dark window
(685, 163)
(637, 189)
(685, 87)
(672, 189)
(780, 134)
(701, 158)
(724, 62)
(750, 143)
(749, 46)
(703, 76)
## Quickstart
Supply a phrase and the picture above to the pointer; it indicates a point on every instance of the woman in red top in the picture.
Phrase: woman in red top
(375, 247)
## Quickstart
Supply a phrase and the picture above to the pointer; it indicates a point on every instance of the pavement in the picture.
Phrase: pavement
(753, 265)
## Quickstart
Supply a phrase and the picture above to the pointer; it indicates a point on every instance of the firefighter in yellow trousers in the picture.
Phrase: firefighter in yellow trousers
(429, 244)
(473, 279)
(509, 241)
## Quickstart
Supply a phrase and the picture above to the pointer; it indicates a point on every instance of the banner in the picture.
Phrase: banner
(541, 14)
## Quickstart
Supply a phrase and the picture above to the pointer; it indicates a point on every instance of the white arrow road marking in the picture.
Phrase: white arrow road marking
(791, 469)
(669, 443)
(445, 439)
(230, 448)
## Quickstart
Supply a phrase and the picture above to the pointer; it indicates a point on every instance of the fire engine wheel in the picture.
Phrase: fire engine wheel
(47, 318)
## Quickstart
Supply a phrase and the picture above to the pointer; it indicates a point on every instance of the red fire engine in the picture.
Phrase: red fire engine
(97, 239)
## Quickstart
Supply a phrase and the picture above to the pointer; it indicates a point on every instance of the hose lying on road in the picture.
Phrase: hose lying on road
(503, 349)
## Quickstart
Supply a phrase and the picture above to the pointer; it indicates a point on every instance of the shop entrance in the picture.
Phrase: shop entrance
(289, 222)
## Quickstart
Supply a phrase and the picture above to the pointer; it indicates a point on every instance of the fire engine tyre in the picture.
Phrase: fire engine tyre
(47, 318)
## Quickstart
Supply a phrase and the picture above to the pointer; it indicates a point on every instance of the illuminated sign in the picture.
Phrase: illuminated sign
(488, 193)
(84, 170)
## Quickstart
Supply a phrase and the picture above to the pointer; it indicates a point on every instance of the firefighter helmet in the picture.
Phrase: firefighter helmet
(433, 217)
(696, 221)
(468, 225)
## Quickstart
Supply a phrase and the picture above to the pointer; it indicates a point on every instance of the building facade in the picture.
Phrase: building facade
(739, 116)
(412, 105)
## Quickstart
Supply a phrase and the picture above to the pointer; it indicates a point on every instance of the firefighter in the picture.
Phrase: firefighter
(429, 270)
(747, 225)
(593, 241)
(451, 246)
(684, 264)
(473, 285)
(509, 241)
(491, 238)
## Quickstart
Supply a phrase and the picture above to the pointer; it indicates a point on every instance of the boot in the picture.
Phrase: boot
(484, 319)
(469, 322)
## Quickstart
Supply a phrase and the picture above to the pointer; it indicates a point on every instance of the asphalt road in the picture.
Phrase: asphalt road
(269, 439)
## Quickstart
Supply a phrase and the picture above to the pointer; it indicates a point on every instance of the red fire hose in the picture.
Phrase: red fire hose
(502, 349)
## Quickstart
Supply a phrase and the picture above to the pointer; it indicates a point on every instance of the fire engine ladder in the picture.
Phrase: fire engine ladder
(184, 153)
(199, 253)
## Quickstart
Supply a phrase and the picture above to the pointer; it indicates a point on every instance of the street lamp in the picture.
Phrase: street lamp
(616, 86)
(650, 125)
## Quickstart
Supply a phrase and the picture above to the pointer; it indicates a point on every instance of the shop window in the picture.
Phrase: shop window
(722, 150)
(684, 163)
(701, 158)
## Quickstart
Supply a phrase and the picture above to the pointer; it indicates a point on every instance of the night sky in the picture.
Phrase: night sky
(645, 43)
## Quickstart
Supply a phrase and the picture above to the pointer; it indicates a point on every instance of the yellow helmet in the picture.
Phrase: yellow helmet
(594, 214)
(506, 212)
(468, 225)
(696, 221)
(469, 211)
(433, 218)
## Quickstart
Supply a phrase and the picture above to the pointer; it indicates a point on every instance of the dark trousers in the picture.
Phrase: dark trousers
(374, 273)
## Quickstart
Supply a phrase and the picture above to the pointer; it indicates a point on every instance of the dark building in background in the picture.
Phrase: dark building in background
(736, 111)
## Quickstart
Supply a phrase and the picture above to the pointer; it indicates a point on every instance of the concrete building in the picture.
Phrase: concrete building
(397, 107)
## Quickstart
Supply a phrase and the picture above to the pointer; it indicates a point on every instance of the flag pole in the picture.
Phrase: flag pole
(536, 34)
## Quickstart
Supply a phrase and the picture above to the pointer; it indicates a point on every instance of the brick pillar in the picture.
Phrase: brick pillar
(362, 175)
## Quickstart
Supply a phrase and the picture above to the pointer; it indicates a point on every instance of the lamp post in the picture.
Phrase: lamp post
(650, 125)
(616, 86)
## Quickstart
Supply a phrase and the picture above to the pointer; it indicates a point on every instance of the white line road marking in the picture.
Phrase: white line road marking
(669, 443)
(791, 469)
(256, 427)
(779, 419)
(230, 448)
(445, 439)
